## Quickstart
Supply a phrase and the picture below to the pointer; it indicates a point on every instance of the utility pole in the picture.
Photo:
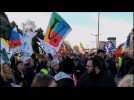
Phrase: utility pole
(98, 30)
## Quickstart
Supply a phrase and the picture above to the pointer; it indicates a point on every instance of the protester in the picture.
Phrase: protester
(54, 67)
(29, 73)
(101, 56)
(127, 63)
(64, 77)
(3, 83)
(79, 66)
(19, 73)
(128, 79)
(95, 76)
(41, 63)
(42, 80)
(7, 74)
(14, 59)
(67, 67)
(111, 63)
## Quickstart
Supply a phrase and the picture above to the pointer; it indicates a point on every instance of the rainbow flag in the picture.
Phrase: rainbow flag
(57, 29)
(14, 39)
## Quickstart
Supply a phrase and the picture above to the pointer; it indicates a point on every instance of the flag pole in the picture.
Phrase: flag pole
(133, 43)
(133, 34)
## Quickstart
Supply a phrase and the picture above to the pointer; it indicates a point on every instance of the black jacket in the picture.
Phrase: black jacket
(111, 64)
(28, 77)
(4, 83)
(127, 64)
(66, 82)
(104, 80)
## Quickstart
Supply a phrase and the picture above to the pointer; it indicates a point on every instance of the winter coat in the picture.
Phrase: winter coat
(101, 80)
(3, 83)
(111, 64)
(28, 76)
(127, 64)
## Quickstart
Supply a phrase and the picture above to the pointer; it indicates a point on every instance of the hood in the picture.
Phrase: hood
(61, 75)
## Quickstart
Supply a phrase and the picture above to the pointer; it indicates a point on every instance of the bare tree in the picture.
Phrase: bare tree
(28, 26)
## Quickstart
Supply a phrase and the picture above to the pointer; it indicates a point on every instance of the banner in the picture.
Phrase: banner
(57, 29)
(109, 47)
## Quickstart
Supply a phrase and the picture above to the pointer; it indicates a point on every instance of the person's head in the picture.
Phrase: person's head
(17, 57)
(20, 66)
(41, 80)
(6, 71)
(98, 66)
(101, 53)
(55, 64)
(89, 65)
(67, 66)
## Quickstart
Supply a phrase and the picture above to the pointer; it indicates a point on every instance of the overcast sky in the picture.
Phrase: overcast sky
(112, 24)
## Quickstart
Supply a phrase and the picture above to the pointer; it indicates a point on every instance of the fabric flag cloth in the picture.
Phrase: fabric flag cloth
(5, 26)
(119, 51)
(128, 44)
(4, 44)
(4, 56)
(15, 38)
(57, 29)
(4, 48)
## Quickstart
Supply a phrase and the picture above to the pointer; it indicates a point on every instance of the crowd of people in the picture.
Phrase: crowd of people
(68, 68)
(96, 69)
